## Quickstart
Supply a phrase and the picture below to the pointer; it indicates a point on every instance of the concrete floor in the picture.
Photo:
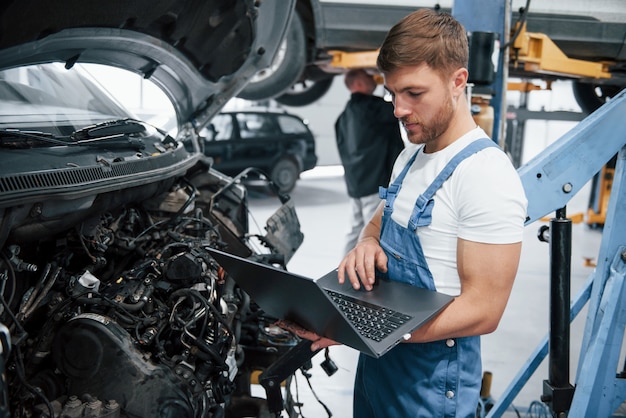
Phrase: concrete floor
(322, 207)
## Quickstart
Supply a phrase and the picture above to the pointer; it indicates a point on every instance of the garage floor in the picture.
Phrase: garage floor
(323, 210)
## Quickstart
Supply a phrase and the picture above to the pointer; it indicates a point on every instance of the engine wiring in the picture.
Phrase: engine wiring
(138, 282)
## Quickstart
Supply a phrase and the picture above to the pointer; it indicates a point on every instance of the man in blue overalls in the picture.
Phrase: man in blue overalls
(452, 220)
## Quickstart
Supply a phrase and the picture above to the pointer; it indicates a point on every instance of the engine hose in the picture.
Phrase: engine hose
(123, 314)
(9, 273)
(43, 293)
(216, 313)
(131, 307)
(210, 354)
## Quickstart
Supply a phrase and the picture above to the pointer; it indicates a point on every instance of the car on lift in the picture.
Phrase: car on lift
(301, 73)
(278, 143)
(110, 302)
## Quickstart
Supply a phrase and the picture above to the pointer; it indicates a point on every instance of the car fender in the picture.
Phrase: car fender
(314, 19)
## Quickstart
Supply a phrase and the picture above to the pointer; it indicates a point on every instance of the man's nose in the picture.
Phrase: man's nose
(399, 109)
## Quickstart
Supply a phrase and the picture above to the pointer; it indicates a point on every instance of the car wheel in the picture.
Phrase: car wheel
(285, 174)
(591, 96)
(306, 92)
(286, 69)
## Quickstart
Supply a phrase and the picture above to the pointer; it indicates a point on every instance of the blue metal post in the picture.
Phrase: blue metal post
(490, 16)
(599, 389)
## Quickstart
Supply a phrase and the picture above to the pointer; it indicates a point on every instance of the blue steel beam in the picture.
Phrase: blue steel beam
(554, 176)
(598, 391)
(613, 238)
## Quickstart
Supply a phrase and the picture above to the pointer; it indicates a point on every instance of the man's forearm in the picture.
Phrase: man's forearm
(372, 228)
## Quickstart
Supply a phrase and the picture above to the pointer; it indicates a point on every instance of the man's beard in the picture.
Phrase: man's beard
(432, 130)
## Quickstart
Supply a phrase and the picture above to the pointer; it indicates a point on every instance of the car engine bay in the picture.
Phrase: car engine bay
(123, 313)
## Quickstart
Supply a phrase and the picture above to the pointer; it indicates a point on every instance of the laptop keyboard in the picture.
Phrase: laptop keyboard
(372, 321)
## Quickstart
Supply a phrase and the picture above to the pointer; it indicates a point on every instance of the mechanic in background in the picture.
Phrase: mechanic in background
(369, 141)
(452, 220)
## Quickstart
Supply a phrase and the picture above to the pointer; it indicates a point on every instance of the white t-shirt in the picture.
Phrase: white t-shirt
(482, 201)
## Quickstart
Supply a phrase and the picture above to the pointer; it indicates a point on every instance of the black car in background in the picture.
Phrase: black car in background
(280, 144)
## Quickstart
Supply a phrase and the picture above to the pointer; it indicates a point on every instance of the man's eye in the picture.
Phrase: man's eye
(414, 94)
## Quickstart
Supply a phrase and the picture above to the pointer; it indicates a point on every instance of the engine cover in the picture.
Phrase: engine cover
(98, 357)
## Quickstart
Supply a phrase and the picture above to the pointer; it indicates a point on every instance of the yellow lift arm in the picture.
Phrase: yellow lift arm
(535, 51)
(539, 54)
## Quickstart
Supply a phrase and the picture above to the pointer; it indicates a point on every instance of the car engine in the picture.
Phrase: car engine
(122, 312)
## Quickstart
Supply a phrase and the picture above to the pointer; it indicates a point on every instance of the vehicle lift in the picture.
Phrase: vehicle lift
(550, 180)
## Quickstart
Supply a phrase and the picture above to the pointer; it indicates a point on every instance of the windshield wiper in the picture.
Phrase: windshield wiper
(107, 134)
(119, 140)
(121, 131)
(14, 138)
(109, 129)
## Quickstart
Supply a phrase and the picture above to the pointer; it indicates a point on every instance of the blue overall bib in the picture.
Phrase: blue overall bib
(436, 379)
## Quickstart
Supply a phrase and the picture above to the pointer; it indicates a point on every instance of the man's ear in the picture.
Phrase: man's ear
(459, 81)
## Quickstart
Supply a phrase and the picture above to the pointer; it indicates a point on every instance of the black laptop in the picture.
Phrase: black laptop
(372, 322)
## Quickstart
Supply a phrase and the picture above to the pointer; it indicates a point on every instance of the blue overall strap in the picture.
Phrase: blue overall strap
(388, 194)
(422, 211)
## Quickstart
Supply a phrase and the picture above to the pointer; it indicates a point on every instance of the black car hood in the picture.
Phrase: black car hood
(200, 52)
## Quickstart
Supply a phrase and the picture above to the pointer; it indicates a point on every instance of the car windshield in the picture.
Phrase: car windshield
(50, 99)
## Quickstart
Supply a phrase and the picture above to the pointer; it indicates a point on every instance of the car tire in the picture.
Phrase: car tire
(306, 92)
(284, 174)
(591, 96)
(286, 69)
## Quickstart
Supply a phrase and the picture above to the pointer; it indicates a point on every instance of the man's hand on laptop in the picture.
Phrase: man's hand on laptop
(359, 265)
(318, 342)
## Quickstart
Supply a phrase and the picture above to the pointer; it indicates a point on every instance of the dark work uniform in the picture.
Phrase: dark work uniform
(368, 140)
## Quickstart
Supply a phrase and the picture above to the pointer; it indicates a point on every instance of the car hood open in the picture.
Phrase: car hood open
(200, 53)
